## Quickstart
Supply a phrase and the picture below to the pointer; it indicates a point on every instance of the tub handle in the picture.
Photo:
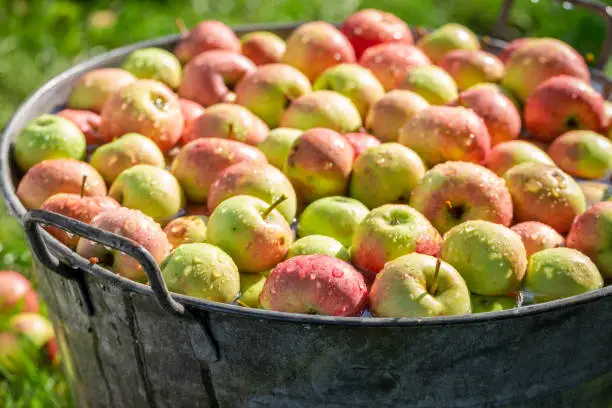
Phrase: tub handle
(595, 6)
(33, 218)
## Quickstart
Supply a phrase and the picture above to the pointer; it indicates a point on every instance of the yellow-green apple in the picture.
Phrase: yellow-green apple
(315, 46)
(251, 231)
(335, 217)
(81, 208)
(203, 271)
(537, 236)
(591, 233)
(319, 244)
(390, 231)
(432, 83)
(147, 107)
(52, 177)
(537, 60)
(269, 90)
(595, 191)
(471, 67)
(391, 112)
(229, 121)
(417, 285)
(199, 162)
(315, 284)
(561, 272)
(319, 164)
(210, 76)
(498, 111)
(150, 189)
(38, 333)
(369, 27)
(131, 224)
(48, 137)
(278, 144)
(127, 151)
(442, 133)
(544, 193)
(484, 304)
(190, 229)
(490, 257)
(259, 180)
(509, 154)
(251, 285)
(394, 169)
(360, 142)
(561, 104)
(191, 112)
(322, 109)
(582, 153)
(91, 91)
(88, 123)
(154, 63)
(263, 47)
(454, 192)
(390, 62)
(206, 36)
(16, 294)
(447, 38)
(353, 81)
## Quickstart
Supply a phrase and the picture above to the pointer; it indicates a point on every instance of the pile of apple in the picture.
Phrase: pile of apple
(424, 179)
(24, 333)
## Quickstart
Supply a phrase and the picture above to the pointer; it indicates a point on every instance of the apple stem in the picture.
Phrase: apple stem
(230, 131)
(434, 286)
(83, 182)
(272, 206)
(241, 303)
(180, 24)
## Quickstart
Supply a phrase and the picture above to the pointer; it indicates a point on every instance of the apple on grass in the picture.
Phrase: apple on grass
(152, 190)
(48, 137)
(557, 273)
(315, 284)
(334, 216)
(278, 144)
(269, 90)
(390, 231)
(263, 47)
(591, 234)
(154, 63)
(201, 270)
(91, 91)
(251, 231)
(27, 334)
(318, 244)
(394, 169)
(417, 285)
(206, 36)
(51, 177)
(16, 294)
(454, 192)
(131, 224)
(490, 257)
(190, 229)
(389, 114)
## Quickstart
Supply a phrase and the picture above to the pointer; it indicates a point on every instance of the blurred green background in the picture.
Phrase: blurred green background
(41, 38)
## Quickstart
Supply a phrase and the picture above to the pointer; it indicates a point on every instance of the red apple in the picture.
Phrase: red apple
(16, 294)
(360, 142)
(263, 47)
(191, 112)
(229, 121)
(206, 36)
(390, 62)
(88, 122)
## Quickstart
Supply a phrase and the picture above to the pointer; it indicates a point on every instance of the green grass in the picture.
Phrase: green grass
(40, 38)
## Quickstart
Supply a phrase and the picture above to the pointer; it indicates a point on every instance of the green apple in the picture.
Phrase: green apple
(254, 233)
(432, 83)
(490, 257)
(335, 217)
(129, 150)
(582, 153)
(353, 81)
(447, 38)
(556, 273)
(394, 169)
(203, 271)
(91, 91)
(483, 304)
(251, 285)
(48, 137)
(417, 285)
(154, 63)
(152, 190)
(277, 145)
(318, 244)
